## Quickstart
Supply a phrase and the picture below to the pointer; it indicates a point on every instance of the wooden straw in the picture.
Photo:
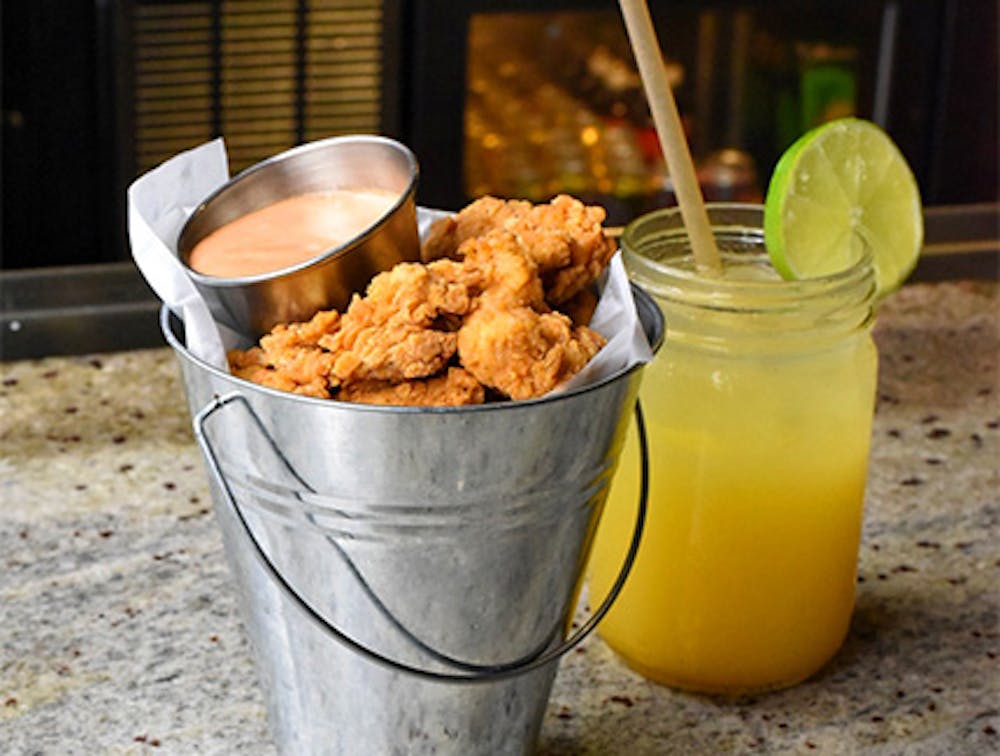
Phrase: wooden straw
(668, 127)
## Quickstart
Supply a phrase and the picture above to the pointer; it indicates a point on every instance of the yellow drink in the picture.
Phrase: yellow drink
(758, 412)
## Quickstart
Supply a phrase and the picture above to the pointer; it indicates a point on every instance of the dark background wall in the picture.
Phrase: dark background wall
(66, 113)
(53, 179)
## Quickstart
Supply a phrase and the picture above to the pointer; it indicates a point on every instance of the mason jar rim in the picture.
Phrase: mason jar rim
(738, 220)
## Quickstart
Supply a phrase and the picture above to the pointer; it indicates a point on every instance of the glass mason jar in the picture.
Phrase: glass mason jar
(759, 411)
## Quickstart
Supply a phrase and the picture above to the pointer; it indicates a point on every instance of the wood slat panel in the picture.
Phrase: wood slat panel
(257, 101)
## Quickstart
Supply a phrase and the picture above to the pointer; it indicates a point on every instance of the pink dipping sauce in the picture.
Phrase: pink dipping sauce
(289, 232)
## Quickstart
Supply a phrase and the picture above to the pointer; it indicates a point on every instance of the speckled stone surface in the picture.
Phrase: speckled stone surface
(119, 630)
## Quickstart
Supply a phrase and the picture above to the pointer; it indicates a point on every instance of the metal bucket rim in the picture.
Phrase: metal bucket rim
(406, 195)
(642, 299)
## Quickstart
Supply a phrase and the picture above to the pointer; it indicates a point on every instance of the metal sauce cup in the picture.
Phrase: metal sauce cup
(252, 305)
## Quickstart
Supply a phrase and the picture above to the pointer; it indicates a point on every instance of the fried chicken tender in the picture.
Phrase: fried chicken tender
(524, 353)
(485, 214)
(403, 328)
(564, 237)
(455, 387)
(289, 358)
(304, 334)
(253, 365)
(496, 271)
(512, 341)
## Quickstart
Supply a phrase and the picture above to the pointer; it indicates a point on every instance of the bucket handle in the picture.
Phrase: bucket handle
(488, 673)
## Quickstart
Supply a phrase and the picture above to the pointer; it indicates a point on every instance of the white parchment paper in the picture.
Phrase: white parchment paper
(158, 205)
(160, 202)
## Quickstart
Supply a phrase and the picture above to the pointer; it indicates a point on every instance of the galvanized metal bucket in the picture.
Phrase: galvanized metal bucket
(408, 575)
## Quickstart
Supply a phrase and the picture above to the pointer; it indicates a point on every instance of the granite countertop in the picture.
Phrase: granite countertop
(119, 630)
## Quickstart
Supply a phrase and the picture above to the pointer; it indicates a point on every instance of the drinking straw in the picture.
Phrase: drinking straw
(671, 135)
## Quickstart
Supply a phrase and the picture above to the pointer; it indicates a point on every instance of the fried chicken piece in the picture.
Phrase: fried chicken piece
(253, 365)
(419, 293)
(456, 387)
(512, 342)
(496, 271)
(307, 333)
(486, 214)
(523, 353)
(266, 375)
(397, 352)
(564, 237)
(289, 357)
(403, 328)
